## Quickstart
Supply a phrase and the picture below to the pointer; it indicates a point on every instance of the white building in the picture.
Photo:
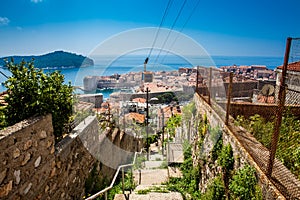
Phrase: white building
(292, 82)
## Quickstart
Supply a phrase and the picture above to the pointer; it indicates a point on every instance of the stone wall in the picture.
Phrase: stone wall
(33, 167)
(239, 152)
(26, 154)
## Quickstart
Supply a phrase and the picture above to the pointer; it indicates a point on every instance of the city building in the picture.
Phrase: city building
(292, 82)
(148, 77)
(96, 99)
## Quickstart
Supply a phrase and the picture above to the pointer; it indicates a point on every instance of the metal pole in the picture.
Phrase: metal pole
(147, 120)
(123, 187)
(163, 130)
(131, 176)
(280, 108)
(140, 177)
(228, 98)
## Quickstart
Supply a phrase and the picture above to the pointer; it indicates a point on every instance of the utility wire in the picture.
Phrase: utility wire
(179, 13)
(4, 75)
(161, 23)
(185, 23)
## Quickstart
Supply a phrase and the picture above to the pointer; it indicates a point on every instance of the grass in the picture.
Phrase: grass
(157, 189)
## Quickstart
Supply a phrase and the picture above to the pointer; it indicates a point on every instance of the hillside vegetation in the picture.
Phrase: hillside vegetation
(57, 59)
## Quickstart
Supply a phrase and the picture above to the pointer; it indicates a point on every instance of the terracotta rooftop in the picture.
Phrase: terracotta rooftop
(295, 66)
(136, 117)
(139, 100)
(83, 106)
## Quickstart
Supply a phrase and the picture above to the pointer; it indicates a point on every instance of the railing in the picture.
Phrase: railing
(105, 190)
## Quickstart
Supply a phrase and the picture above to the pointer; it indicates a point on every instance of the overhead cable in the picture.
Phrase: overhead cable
(178, 15)
(160, 25)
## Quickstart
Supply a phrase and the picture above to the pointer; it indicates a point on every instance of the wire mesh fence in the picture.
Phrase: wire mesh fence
(266, 105)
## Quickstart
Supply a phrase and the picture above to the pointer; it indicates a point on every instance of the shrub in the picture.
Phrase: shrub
(215, 190)
(226, 159)
(32, 92)
(288, 148)
(243, 184)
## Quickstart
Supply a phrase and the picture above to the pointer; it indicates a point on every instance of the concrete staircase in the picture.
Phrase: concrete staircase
(152, 177)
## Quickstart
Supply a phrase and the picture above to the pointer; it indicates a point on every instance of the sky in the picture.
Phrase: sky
(230, 28)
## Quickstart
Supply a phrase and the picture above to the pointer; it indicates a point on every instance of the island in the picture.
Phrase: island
(53, 60)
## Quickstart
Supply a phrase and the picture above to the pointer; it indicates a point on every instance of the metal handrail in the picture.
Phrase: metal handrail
(114, 179)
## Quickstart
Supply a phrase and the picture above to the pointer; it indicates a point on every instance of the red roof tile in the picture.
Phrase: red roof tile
(295, 66)
(139, 100)
(136, 117)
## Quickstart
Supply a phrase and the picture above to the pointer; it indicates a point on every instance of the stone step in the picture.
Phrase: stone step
(152, 194)
(151, 177)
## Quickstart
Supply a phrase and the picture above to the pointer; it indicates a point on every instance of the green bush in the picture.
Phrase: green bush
(288, 148)
(117, 188)
(188, 111)
(33, 93)
(191, 174)
(226, 159)
(215, 190)
(167, 97)
(243, 184)
(216, 137)
(172, 123)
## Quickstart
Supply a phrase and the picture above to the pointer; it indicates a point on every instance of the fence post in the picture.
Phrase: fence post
(140, 177)
(281, 97)
(228, 98)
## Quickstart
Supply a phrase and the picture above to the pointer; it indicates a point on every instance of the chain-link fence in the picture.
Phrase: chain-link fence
(267, 104)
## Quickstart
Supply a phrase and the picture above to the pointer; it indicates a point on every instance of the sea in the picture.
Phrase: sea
(110, 65)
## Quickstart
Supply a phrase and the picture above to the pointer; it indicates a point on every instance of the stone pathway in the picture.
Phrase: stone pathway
(152, 177)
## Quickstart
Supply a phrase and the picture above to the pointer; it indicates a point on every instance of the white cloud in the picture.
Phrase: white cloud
(4, 21)
(36, 1)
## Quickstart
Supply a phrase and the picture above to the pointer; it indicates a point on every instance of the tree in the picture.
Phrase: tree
(32, 92)
(172, 123)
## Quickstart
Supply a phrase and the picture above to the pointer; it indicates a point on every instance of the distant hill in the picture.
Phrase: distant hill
(54, 60)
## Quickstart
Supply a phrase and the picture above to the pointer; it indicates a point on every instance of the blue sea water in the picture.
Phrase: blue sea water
(125, 64)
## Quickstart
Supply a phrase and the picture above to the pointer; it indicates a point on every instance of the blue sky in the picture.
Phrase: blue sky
(232, 27)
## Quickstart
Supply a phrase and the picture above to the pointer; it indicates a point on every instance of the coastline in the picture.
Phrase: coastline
(135, 63)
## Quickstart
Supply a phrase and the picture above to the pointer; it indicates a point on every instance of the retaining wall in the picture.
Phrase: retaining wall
(240, 154)
(33, 167)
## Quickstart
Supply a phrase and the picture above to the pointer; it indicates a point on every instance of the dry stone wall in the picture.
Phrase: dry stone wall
(240, 154)
(33, 167)
(27, 151)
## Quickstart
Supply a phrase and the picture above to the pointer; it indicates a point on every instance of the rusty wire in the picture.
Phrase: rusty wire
(251, 97)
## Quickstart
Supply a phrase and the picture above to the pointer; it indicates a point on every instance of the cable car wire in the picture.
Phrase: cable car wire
(160, 25)
(185, 23)
(178, 15)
